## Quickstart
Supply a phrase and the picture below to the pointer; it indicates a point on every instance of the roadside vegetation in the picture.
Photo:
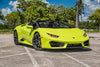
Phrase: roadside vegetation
(29, 11)
(6, 31)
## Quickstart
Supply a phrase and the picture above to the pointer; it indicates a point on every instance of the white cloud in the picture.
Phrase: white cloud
(98, 1)
(14, 4)
(84, 18)
(46, 2)
(91, 6)
(6, 11)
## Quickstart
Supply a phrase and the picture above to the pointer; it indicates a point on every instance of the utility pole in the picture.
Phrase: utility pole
(77, 13)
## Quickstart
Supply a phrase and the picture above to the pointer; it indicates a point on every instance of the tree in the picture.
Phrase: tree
(22, 17)
(12, 20)
(70, 14)
(56, 12)
(80, 10)
(77, 13)
(1, 15)
(81, 7)
(3, 26)
(95, 16)
(34, 13)
(33, 10)
(23, 5)
(63, 13)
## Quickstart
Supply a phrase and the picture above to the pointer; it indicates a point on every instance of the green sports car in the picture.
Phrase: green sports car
(50, 35)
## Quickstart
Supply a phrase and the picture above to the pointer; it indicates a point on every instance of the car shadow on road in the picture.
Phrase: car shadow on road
(61, 50)
(68, 50)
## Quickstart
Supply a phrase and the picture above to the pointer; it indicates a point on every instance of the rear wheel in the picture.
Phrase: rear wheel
(16, 38)
(37, 41)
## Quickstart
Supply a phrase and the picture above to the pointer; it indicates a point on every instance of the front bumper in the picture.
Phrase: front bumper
(79, 45)
(54, 44)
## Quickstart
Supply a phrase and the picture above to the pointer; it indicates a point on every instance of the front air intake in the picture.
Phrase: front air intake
(56, 44)
(86, 43)
(74, 45)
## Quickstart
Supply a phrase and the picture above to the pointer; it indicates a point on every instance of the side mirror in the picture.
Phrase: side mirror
(23, 24)
(29, 26)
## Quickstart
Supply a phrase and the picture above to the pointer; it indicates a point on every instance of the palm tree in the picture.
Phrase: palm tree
(77, 13)
(80, 10)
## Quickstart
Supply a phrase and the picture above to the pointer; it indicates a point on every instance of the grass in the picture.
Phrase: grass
(93, 31)
(6, 31)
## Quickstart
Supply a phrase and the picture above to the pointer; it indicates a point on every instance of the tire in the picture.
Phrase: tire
(37, 42)
(16, 38)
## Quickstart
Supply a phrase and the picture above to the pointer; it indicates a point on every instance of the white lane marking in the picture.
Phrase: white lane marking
(49, 61)
(85, 54)
(13, 55)
(34, 62)
(86, 65)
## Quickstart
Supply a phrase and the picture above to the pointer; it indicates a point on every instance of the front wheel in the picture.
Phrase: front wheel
(37, 41)
(16, 38)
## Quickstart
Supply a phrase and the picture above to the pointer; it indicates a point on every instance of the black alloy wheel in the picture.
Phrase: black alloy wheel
(16, 38)
(37, 41)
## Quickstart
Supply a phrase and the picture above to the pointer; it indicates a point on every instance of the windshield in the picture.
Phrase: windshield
(51, 24)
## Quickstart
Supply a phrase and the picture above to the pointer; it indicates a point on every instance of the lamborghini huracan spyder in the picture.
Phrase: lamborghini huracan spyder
(50, 35)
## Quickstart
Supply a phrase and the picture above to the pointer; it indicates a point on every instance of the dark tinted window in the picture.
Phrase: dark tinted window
(30, 23)
(35, 26)
(46, 24)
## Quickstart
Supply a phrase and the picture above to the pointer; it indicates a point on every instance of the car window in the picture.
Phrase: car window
(43, 24)
(53, 24)
(30, 23)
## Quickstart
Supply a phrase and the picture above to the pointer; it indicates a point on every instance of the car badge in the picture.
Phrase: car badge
(73, 37)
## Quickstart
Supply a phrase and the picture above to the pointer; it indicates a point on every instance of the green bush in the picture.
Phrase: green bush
(3, 26)
(6, 31)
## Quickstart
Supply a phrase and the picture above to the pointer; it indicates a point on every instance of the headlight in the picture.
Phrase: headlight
(85, 35)
(53, 35)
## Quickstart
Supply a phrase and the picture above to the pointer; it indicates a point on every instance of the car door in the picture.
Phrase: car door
(28, 29)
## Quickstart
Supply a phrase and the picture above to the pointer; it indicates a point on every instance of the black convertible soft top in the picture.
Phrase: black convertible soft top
(50, 24)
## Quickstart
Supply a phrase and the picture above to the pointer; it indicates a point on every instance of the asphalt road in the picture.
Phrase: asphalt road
(25, 56)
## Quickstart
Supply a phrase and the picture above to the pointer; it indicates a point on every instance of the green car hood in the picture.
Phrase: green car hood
(65, 34)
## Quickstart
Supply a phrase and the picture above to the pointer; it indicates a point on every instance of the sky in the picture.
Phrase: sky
(7, 6)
